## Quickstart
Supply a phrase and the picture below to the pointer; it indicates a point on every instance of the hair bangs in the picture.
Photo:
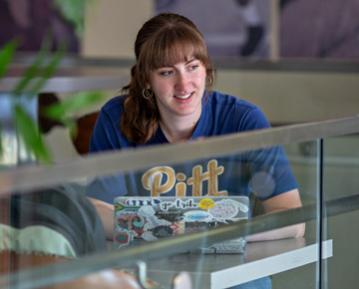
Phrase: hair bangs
(176, 46)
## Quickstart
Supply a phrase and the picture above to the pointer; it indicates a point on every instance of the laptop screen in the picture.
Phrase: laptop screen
(143, 219)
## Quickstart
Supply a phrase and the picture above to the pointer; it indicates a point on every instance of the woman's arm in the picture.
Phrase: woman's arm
(106, 213)
(282, 202)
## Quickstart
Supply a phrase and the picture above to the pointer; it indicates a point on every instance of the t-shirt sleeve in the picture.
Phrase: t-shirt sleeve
(252, 119)
(270, 173)
(107, 188)
(105, 134)
(105, 137)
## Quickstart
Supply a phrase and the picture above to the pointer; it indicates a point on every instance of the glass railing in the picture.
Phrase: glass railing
(206, 215)
(340, 180)
(14, 151)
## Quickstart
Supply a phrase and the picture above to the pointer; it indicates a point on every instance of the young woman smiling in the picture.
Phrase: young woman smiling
(169, 100)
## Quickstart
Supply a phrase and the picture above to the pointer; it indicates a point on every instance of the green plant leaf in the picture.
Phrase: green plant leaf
(1, 149)
(64, 109)
(72, 127)
(6, 55)
(32, 71)
(30, 135)
(73, 11)
(47, 72)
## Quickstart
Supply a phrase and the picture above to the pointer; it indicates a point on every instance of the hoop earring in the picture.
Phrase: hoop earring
(209, 80)
(147, 93)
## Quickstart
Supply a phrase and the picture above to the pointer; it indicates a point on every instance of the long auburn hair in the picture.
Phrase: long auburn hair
(164, 40)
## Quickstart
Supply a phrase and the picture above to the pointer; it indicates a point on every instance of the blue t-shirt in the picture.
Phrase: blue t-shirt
(264, 172)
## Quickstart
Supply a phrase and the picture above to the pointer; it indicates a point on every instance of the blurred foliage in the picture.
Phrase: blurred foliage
(34, 79)
(30, 134)
(74, 12)
(41, 69)
(30, 85)
(63, 111)
(6, 55)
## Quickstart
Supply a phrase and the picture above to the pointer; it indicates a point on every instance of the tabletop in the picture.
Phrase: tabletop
(225, 270)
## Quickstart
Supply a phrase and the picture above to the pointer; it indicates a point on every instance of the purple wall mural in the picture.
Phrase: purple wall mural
(308, 29)
(320, 28)
(30, 21)
(231, 27)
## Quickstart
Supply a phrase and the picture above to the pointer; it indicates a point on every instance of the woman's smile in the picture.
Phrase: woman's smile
(185, 96)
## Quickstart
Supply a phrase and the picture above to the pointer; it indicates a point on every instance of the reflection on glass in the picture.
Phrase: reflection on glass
(10, 148)
(192, 196)
(14, 151)
(340, 180)
(166, 200)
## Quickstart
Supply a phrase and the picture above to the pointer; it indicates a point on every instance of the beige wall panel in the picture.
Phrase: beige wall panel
(289, 97)
(111, 27)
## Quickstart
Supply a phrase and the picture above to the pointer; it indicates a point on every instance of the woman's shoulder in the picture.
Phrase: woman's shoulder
(114, 103)
(113, 107)
(238, 113)
(230, 102)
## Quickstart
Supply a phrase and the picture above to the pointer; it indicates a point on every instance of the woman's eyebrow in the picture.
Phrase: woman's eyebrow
(173, 65)
(191, 60)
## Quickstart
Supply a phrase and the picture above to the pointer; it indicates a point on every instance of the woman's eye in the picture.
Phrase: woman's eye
(193, 67)
(166, 72)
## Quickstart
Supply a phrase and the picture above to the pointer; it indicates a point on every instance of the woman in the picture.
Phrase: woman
(168, 101)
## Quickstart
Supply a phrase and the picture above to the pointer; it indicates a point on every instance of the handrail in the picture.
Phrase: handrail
(38, 277)
(41, 176)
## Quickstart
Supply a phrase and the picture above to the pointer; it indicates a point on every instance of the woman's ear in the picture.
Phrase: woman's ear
(147, 85)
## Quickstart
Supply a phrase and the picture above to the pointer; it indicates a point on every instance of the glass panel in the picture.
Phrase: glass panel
(14, 151)
(58, 223)
(46, 226)
(304, 161)
(340, 180)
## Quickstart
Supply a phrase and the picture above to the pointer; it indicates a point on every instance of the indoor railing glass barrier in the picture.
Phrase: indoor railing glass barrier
(195, 220)
(340, 161)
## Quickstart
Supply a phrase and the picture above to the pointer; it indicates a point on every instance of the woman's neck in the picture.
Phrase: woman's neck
(178, 131)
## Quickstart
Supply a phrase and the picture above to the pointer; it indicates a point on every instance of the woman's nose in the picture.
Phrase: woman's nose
(182, 82)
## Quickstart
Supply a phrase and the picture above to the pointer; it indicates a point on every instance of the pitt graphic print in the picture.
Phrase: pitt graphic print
(162, 179)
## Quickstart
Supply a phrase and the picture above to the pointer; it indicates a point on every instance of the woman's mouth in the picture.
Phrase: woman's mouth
(184, 96)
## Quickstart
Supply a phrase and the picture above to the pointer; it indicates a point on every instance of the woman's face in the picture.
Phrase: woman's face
(179, 89)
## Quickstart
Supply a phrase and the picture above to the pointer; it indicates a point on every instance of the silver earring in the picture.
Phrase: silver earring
(147, 93)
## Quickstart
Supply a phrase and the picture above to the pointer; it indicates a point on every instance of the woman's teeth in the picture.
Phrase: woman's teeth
(184, 96)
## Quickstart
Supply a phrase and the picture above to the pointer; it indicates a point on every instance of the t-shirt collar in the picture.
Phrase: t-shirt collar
(200, 129)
